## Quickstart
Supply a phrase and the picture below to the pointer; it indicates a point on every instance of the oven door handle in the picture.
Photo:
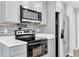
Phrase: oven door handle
(25, 36)
(35, 43)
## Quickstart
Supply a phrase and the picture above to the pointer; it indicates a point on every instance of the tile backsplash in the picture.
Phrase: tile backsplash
(7, 31)
(37, 27)
(10, 30)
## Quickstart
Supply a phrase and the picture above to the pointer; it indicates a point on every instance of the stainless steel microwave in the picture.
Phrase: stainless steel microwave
(27, 15)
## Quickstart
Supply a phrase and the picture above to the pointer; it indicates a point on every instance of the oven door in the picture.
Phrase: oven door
(37, 48)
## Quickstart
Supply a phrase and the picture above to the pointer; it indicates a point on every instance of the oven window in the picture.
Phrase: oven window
(37, 51)
(37, 48)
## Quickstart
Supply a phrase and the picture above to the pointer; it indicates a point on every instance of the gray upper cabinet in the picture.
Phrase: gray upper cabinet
(12, 11)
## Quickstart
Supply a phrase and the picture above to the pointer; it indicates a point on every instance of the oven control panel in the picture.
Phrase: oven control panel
(20, 32)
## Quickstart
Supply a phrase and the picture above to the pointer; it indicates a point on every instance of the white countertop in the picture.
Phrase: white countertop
(10, 41)
(48, 36)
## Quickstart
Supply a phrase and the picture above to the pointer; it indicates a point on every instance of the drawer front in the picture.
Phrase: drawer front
(17, 50)
(21, 55)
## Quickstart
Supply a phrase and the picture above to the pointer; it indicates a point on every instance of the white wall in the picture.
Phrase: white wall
(72, 27)
(77, 24)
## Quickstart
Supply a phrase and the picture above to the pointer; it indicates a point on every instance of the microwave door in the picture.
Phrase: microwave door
(30, 15)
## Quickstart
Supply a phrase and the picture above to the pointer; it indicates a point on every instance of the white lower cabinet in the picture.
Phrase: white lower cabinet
(21, 55)
(15, 51)
(51, 48)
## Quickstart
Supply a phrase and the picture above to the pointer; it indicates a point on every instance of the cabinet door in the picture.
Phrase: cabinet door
(33, 5)
(16, 50)
(12, 9)
(37, 5)
(21, 55)
(43, 13)
(2, 9)
(27, 4)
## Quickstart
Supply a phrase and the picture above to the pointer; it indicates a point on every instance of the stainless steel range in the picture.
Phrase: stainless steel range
(35, 48)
